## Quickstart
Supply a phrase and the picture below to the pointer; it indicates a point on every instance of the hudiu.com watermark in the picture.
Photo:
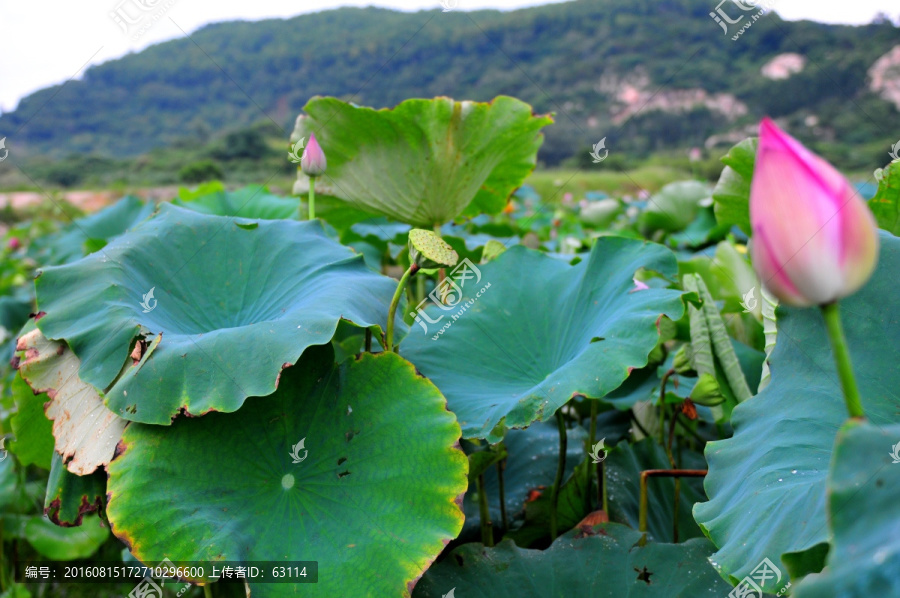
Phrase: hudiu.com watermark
(136, 17)
(448, 296)
(724, 20)
(763, 579)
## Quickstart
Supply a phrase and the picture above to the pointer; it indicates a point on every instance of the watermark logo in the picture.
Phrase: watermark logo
(136, 17)
(755, 584)
(6, 151)
(5, 453)
(895, 151)
(600, 145)
(450, 594)
(448, 6)
(295, 451)
(149, 303)
(596, 449)
(296, 153)
(724, 20)
(749, 302)
(895, 454)
(448, 296)
(148, 588)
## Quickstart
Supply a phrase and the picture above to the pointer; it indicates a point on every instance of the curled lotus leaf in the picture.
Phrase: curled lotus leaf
(85, 430)
(203, 311)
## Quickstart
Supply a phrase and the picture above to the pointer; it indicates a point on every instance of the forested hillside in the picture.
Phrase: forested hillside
(648, 74)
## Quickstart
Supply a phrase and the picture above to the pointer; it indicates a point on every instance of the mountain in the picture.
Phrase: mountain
(649, 75)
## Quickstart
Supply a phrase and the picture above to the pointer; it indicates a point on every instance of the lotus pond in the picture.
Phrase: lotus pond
(417, 377)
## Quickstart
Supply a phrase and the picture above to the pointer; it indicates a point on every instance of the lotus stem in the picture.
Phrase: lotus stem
(832, 315)
(637, 422)
(662, 404)
(312, 198)
(661, 473)
(604, 492)
(560, 470)
(420, 289)
(675, 503)
(487, 532)
(442, 273)
(207, 591)
(677, 494)
(392, 311)
(591, 435)
(501, 467)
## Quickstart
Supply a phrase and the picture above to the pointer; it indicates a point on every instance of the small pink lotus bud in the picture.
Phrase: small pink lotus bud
(313, 162)
(814, 238)
(14, 244)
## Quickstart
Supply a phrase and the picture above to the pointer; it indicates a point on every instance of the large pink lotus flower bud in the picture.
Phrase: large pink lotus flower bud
(814, 238)
(313, 162)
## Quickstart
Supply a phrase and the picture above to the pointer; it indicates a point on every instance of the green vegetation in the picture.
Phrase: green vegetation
(571, 58)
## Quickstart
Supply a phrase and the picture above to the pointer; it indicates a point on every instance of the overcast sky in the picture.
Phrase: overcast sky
(45, 43)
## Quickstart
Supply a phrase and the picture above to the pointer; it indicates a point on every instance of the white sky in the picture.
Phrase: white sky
(48, 42)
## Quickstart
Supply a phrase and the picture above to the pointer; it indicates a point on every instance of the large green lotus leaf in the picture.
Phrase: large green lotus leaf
(249, 202)
(732, 192)
(234, 304)
(603, 562)
(34, 432)
(85, 430)
(374, 497)
(767, 484)
(80, 237)
(886, 203)
(424, 162)
(70, 497)
(542, 332)
(864, 516)
(66, 543)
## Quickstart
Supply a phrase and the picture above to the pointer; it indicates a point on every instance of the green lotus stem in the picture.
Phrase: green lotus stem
(560, 470)
(662, 473)
(677, 494)
(642, 513)
(501, 466)
(487, 533)
(832, 315)
(675, 510)
(591, 435)
(637, 423)
(420, 289)
(312, 198)
(662, 404)
(207, 591)
(392, 312)
(605, 493)
(442, 273)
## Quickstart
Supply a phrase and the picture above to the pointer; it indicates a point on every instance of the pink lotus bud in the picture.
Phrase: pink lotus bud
(313, 162)
(14, 244)
(814, 238)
